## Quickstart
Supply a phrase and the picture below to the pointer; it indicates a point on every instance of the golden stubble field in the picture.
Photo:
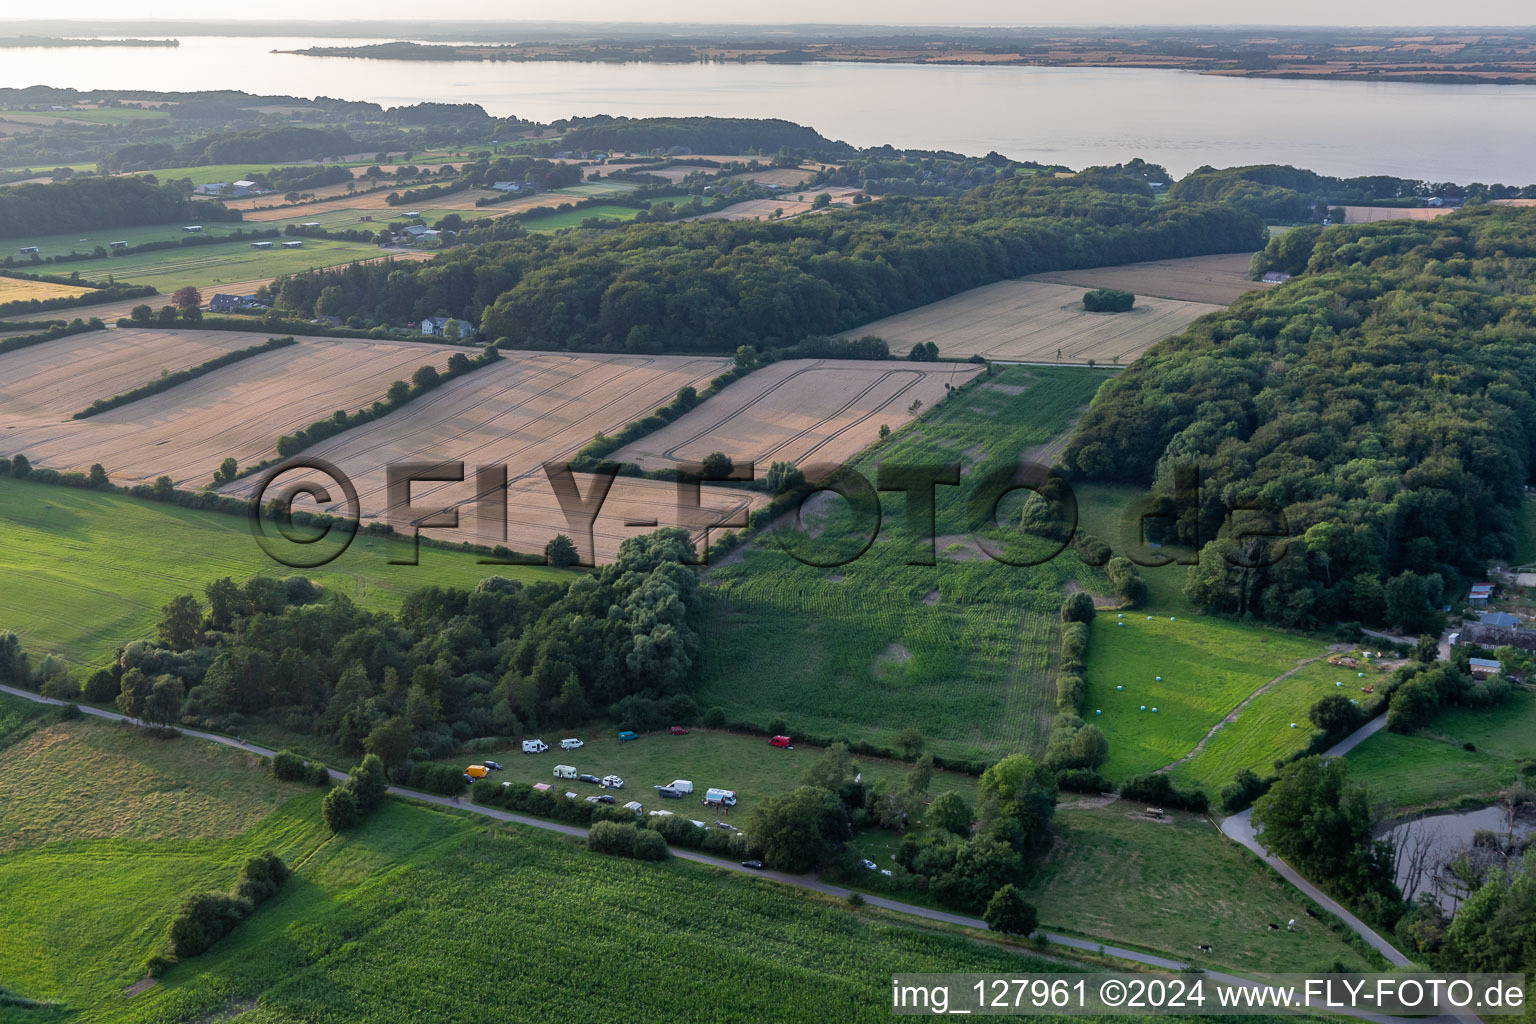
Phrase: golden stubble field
(800, 411)
(1035, 321)
(237, 411)
(1219, 279)
(528, 409)
(13, 289)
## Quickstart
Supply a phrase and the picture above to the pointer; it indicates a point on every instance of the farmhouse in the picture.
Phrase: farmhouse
(246, 188)
(1482, 668)
(512, 186)
(213, 188)
(1499, 636)
(222, 303)
(1502, 619)
(437, 327)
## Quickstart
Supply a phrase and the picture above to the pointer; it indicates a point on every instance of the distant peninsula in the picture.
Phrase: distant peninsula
(1503, 57)
(22, 42)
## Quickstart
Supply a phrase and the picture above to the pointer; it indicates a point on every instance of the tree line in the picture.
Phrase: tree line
(86, 204)
(715, 285)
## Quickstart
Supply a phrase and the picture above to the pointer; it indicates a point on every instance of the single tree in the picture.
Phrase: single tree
(1007, 912)
(98, 477)
(561, 552)
(717, 466)
(186, 297)
(181, 620)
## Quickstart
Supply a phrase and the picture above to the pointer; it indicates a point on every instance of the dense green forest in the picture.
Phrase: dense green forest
(722, 135)
(85, 204)
(716, 285)
(1377, 410)
(1289, 194)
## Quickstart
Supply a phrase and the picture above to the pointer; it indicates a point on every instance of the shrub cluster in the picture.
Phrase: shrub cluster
(353, 800)
(290, 767)
(627, 840)
(1108, 300)
(205, 918)
(1156, 788)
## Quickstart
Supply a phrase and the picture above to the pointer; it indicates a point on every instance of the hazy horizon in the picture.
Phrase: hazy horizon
(89, 15)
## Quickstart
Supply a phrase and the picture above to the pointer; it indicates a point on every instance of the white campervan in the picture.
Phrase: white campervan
(534, 746)
(564, 771)
(723, 797)
(681, 785)
(571, 744)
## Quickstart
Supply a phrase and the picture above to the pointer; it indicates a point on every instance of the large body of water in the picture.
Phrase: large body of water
(1073, 116)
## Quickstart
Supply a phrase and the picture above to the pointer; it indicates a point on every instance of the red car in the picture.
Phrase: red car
(678, 730)
(779, 741)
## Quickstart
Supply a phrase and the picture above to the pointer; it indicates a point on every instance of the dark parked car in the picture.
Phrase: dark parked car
(493, 766)
(588, 778)
(678, 730)
(755, 865)
(603, 798)
(671, 794)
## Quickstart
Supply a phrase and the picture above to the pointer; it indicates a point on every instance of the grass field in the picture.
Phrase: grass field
(554, 928)
(573, 218)
(1431, 767)
(1262, 731)
(13, 289)
(1171, 886)
(91, 779)
(1109, 512)
(964, 650)
(735, 761)
(64, 244)
(1033, 321)
(204, 266)
(1207, 666)
(101, 115)
(87, 572)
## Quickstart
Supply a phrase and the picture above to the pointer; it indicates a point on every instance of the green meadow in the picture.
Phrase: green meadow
(573, 218)
(468, 920)
(1207, 666)
(1263, 730)
(86, 572)
(1433, 767)
(964, 650)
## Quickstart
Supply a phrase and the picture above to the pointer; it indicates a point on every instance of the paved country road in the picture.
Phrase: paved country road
(810, 882)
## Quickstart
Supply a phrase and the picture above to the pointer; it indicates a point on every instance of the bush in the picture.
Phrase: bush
(340, 809)
(289, 767)
(611, 837)
(1077, 607)
(1242, 791)
(157, 965)
(1108, 300)
(1153, 788)
(650, 846)
(1007, 912)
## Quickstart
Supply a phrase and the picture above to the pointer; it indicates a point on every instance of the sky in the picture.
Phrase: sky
(883, 12)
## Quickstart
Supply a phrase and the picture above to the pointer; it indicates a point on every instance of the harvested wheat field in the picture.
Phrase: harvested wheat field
(529, 409)
(1372, 214)
(13, 289)
(238, 411)
(786, 205)
(1032, 321)
(787, 177)
(57, 379)
(1217, 279)
(801, 411)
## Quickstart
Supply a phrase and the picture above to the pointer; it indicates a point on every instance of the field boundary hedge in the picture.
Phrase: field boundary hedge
(60, 329)
(169, 381)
